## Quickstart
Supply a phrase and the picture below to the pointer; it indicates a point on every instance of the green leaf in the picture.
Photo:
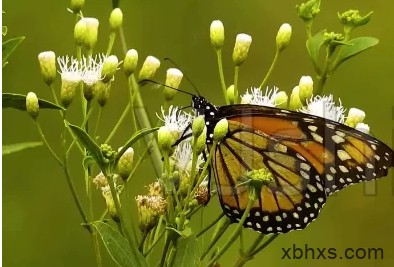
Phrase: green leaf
(187, 232)
(187, 253)
(18, 101)
(9, 47)
(118, 247)
(89, 144)
(4, 30)
(313, 46)
(10, 149)
(138, 135)
(354, 47)
(87, 161)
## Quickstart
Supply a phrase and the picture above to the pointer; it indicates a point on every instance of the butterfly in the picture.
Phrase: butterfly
(309, 157)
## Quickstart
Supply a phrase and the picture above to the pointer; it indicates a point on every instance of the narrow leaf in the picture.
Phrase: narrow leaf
(89, 144)
(9, 149)
(118, 247)
(313, 46)
(138, 135)
(187, 252)
(9, 47)
(18, 101)
(354, 47)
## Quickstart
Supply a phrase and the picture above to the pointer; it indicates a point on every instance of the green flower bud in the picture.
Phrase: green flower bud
(241, 48)
(354, 117)
(130, 62)
(231, 94)
(295, 102)
(283, 36)
(149, 68)
(101, 91)
(85, 32)
(67, 91)
(109, 201)
(201, 141)
(164, 139)
(333, 39)
(351, 19)
(125, 163)
(150, 208)
(115, 19)
(173, 79)
(305, 88)
(281, 99)
(109, 68)
(76, 5)
(217, 34)
(108, 153)
(88, 91)
(198, 126)
(220, 130)
(307, 11)
(80, 30)
(258, 178)
(32, 106)
(47, 62)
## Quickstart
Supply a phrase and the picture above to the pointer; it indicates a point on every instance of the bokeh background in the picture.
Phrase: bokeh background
(41, 226)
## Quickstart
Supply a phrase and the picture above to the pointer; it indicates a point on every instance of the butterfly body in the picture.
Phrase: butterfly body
(309, 157)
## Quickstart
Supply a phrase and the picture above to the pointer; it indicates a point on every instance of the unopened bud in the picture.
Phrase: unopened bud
(149, 68)
(354, 117)
(125, 163)
(76, 5)
(116, 19)
(216, 34)
(173, 79)
(295, 102)
(101, 91)
(47, 62)
(307, 11)
(32, 106)
(86, 31)
(110, 66)
(201, 141)
(67, 91)
(281, 99)
(198, 126)
(231, 94)
(80, 30)
(164, 139)
(305, 88)
(150, 208)
(220, 130)
(241, 48)
(109, 201)
(130, 62)
(283, 36)
(351, 19)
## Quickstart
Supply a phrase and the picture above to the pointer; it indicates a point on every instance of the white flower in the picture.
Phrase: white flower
(183, 156)
(256, 97)
(175, 120)
(70, 70)
(324, 106)
(362, 127)
(92, 67)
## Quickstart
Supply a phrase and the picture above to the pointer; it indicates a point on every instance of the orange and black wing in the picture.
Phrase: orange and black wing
(309, 157)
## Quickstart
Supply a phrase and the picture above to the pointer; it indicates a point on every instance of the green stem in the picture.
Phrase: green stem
(308, 26)
(244, 257)
(98, 122)
(274, 61)
(221, 74)
(265, 244)
(111, 42)
(54, 94)
(141, 246)
(234, 235)
(210, 225)
(47, 144)
(322, 79)
(117, 125)
(236, 74)
(216, 236)
(155, 241)
(122, 39)
(165, 250)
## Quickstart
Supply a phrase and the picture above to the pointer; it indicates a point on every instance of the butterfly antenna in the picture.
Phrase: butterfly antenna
(179, 90)
(187, 78)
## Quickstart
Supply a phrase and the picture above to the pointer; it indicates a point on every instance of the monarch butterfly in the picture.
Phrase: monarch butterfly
(310, 158)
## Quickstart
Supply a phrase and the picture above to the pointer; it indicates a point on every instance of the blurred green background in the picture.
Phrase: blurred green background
(41, 226)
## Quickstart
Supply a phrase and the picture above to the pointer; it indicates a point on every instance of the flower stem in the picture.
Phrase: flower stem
(244, 257)
(236, 74)
(117, 125)
(274, 61)
(98, 121)
(234, 235)
(221, 74)
(265, 244)
(42, 135)
(210, 225)
(217, 235)
(111, 42)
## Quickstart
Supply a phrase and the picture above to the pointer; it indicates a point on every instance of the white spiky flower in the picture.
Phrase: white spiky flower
(183, 158)
(325, 107)
(70, 69)
(256, 97)
(92, 67)
(175, 119)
